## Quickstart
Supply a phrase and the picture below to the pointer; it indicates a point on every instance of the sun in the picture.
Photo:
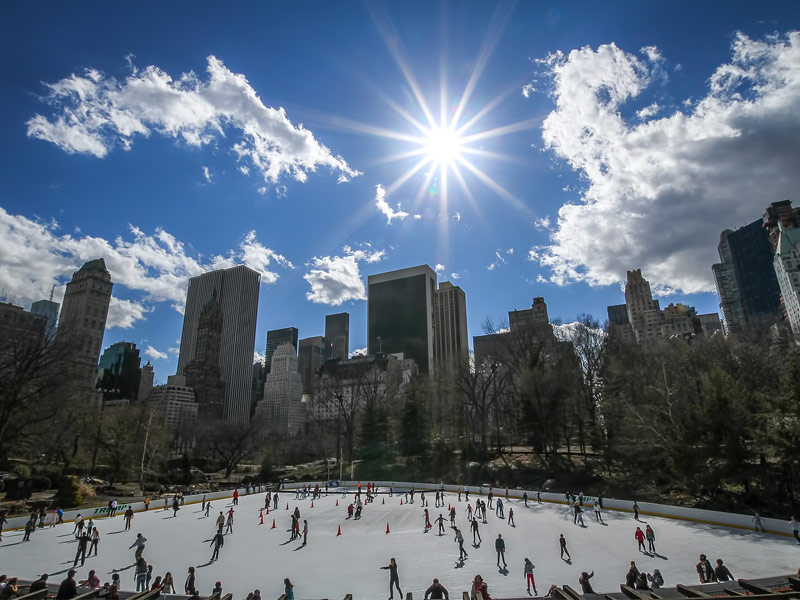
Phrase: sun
(443, 145)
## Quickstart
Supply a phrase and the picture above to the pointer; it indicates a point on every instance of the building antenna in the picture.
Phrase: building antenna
(52, 289)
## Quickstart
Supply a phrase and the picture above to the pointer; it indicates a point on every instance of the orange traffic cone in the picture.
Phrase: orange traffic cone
(401, 502)
(273, 524)
(268, 510)
(426, 504)
(261, 516)
(287, 506)
(337, 502)
(387, 527)
(340, 531)
(383, 501)
(312, 504)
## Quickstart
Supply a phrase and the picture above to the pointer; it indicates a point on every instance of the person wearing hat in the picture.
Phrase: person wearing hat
(436, 591)
(217, 588)
(39, 584)
(68, 588)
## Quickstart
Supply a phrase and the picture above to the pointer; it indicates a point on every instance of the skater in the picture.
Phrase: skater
(498, 511)
(722, 573)
(220, 521)
(288, 589)
(705, 571)
(267, 501)
(639, 535)
(394, 580)
(475, 532)
(500, 546)
(632, 575)
(236, 497)
(635, 510)
(208, 508)
(757, 522)
(147, 502)
(525, 498)
(579, 515)
(562, 542)
(229, 525)
(189, 585)
(511, 517)
(140, 574)
(528, 572)
(217, 541)
(795, 528)
(651, 539)
(139, 542)
(483, 511)
(203, 503)
(176, 506)
(440, 521)
(469, 512)
(30, 526)
(539, 497)
(462, 554)
(489, 498)
(598, 516)
(305, 532)
(83, 541)
(128, 517)
(436, 591)
(113, 505)
(453, 516)
(275, 501)
(95, 545)
(466, 494)
(59, 514)
(427, 520)
(78, 524)
(656, 580)
(586, 585)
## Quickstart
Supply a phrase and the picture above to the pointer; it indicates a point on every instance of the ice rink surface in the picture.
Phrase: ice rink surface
(259, 557)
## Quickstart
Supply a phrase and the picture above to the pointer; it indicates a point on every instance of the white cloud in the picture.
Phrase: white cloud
(543, 223)
(93, 114)
(155, 354)
(659, 192)
(259, 357)
(528, 89)
(33, 257)
(244, 169)
(454, 275)
(499, 259)
(510, 251)
(457, 216)
(388, 211)
(174, 350)
(438, 268)
(648, 111)
(416, 217)
(206, 174)
(337, 279)
(358, 352)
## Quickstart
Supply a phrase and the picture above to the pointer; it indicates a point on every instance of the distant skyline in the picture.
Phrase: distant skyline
(518, 149)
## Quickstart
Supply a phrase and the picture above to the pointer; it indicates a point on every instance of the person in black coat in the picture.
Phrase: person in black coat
(68, 588)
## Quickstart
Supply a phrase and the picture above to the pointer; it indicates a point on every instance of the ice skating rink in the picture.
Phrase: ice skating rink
(259, 557)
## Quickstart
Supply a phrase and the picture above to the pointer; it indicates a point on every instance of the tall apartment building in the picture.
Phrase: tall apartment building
(146, 378)
(617, 314)
(118, 372)
(276, 337)
(237, 291)
(787, 270)
(49, 310)
(337, 336)
(282, 411)
(400, 315)
(310, 356)
(83, 319)
(451, 344)
(20, 331)
(175, 401)
(203, 373)
(524, 325)
(746, 283)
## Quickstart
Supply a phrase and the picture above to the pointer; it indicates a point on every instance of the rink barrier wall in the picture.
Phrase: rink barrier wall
(681, 513)
(667, 511)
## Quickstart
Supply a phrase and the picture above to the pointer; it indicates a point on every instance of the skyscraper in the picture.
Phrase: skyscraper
(276, 337)
(237, 291)
(118, 372)
(203, 373)
(311, 356)
(400, 316)
(337, 335)
(748, 289)
(451, 344)
(49, 310)
(83, 318)
(787, 269)
(281, 411)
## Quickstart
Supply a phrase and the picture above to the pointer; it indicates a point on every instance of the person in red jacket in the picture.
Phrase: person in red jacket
(639, 535)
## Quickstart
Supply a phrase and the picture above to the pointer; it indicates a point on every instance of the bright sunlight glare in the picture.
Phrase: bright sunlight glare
(443, 145)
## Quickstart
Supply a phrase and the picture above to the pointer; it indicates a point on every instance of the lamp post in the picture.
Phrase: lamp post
(144, 447)
(380, 347)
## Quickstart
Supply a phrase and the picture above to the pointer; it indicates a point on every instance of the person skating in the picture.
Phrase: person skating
(598, 516)
(632, 575)
(208, 508)
(475, 532)
(651, 538)
(147, 502)
(140, 574)
(639, 535)
(236, 497)
(427, 520)
(525, 498)
(220, 521)
(305, 532)
(440, 521)
(757, 522)
(217, 541)
(500, 507)
(139, 543)
(176, 506)
(562, 542)
(528, 574)
(500, 546)
(539, 497)
(511, 517)
(579, 515)
(469, 512)
(394, 579)
(68, 588)
(462, 554)
(635, 510)
(453, 516)
(78, 524)
(489, 497)
(436, 591)
(229, 524)
(83, 542)
(795, 528)
(30, 527)
(705, 571)
(128, 517)
(275, 501)
(95, 543)
(189, 585)
(586, 585)
(722, 573)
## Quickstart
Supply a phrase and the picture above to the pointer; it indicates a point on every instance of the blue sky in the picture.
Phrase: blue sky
(608, 137)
